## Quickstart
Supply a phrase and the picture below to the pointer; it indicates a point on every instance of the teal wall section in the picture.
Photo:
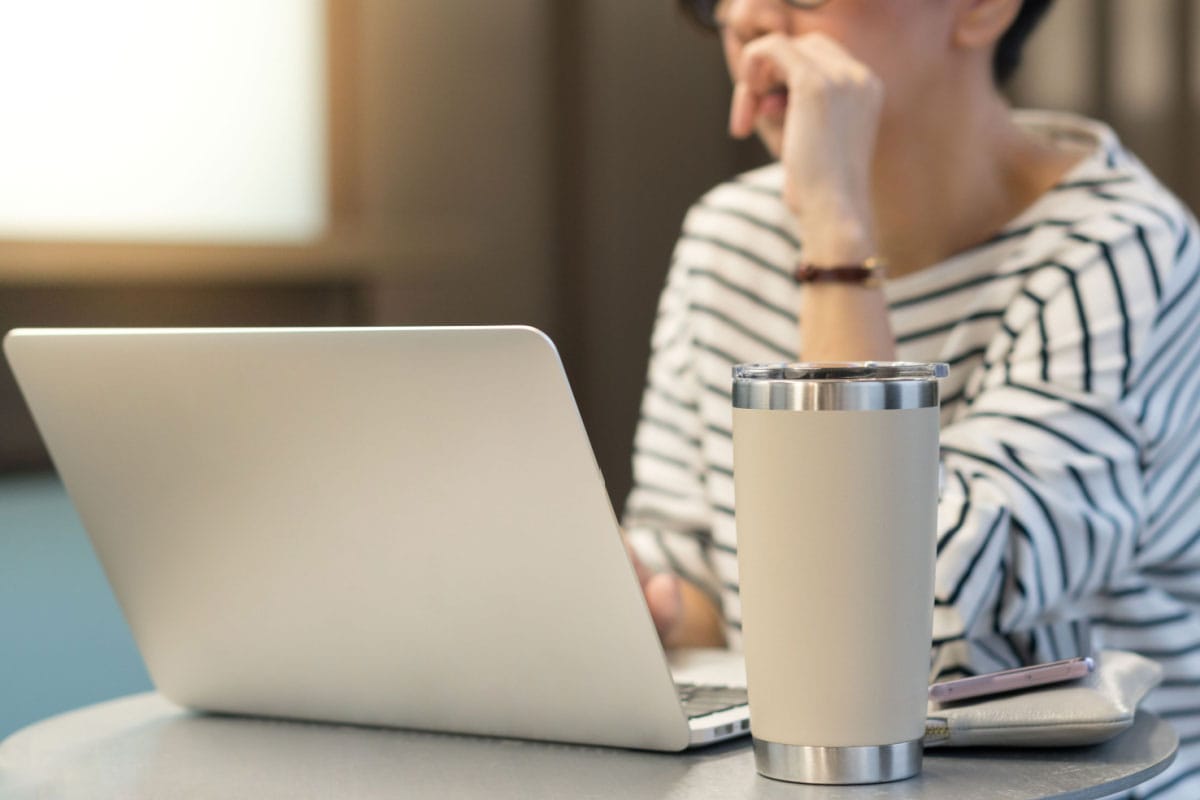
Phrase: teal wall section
(63, 641)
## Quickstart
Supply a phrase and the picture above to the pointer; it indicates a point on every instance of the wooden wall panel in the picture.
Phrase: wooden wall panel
(301, 303)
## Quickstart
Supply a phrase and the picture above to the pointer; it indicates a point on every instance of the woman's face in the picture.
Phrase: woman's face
(906, 43)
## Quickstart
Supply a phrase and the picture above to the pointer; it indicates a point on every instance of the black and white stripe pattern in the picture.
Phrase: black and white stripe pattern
(1069, 421)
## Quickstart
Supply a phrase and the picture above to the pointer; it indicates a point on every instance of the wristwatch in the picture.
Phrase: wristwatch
(867, 273)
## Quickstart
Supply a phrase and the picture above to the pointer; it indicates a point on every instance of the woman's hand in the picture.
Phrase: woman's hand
(828, 104)
(683, 615)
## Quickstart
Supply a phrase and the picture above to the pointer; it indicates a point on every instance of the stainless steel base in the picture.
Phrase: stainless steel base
(805, 764)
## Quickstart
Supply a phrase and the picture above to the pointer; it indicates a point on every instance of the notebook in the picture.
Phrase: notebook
(378, 526)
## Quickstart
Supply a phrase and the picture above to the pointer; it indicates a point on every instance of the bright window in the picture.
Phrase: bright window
(163, 120)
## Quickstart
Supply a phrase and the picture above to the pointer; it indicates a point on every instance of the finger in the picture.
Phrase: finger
(742, 110)
(847, 76)
(830, 47)
(804, 61)
(763, 69)
(769, 65)
(835, 59)
(767, 62)
(664, 598)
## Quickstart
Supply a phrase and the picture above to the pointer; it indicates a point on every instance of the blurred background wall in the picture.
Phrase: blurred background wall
(527, 161)
(530, 161)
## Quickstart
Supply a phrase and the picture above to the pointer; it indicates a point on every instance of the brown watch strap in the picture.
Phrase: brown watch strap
(868, 273)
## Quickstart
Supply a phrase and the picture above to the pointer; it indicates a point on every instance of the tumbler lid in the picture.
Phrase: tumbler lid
(837, 386)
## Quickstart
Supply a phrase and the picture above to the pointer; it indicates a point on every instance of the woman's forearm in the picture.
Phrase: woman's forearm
(845, 322)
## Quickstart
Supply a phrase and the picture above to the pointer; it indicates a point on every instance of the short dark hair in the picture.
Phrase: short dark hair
(1008, 50)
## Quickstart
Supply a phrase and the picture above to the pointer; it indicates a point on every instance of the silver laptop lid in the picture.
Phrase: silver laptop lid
(392, 526)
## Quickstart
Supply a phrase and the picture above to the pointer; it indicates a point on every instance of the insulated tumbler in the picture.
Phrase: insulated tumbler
(836, 487)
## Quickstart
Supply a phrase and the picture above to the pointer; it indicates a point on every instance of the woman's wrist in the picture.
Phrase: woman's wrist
(843, 322)
(836, 242)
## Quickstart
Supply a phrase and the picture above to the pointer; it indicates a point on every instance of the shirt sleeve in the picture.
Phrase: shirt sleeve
(667, 515)
(1044, 496)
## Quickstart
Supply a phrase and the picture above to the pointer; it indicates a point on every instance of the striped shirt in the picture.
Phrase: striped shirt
(1070, 423)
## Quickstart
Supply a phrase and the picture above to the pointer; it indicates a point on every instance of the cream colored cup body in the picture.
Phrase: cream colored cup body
(836, 518)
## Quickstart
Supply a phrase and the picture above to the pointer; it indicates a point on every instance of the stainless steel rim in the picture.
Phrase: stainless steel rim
(834, 396)
(838, 765)
(857, 386)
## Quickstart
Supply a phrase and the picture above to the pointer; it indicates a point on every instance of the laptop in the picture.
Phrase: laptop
(399, 527)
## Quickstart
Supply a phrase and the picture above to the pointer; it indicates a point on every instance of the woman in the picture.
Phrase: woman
(1028, 250)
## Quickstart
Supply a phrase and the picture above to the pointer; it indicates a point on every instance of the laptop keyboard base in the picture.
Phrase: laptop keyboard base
(700, 701)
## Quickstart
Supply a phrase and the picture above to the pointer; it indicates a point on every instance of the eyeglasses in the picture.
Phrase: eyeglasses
(705, 11)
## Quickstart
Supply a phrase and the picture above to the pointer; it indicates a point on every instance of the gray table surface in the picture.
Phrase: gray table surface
(144, 747)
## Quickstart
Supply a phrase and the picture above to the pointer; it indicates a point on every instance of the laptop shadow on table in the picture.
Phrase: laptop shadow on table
(230, 755)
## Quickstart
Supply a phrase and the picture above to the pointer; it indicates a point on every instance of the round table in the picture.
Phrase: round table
(144, 747)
